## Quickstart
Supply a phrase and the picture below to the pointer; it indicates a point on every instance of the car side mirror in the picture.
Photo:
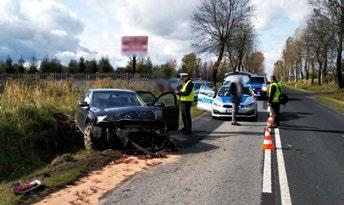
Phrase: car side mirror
(83, 104)
(268, 83)
(159, 104)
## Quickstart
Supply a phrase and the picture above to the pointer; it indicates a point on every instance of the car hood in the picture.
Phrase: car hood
(244, 100)
(256, 85)
(129, 113)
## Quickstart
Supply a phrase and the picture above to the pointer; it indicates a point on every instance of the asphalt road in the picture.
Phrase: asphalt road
(313, 146)
(222, 164)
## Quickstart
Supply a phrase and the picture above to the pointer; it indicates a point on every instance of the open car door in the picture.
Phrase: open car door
(147, 97)
(170, 106)
(171, 109)
(205, 98)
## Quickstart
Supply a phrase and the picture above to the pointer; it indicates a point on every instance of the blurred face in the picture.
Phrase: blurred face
(184, 78)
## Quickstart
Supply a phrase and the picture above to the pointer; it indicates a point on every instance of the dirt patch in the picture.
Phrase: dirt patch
(90, 188)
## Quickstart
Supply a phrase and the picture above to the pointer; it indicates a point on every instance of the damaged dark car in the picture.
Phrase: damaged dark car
(132, 119)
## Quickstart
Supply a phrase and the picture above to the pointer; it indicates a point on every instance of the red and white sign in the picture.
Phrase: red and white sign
(135, 45)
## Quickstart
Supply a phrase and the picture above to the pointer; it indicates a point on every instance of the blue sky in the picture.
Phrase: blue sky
(92, 28)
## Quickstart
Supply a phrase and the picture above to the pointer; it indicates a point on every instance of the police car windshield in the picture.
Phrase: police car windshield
(257, 80)
(224, 92)
(231, 78)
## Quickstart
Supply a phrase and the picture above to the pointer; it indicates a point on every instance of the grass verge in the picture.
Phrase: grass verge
(326, 95)
(63, 170)
(331, 103)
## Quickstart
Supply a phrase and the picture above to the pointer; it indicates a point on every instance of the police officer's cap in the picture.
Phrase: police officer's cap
(183, 74)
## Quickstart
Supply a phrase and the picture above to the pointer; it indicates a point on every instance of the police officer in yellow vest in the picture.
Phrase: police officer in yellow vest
(275, 91)
(187, 94)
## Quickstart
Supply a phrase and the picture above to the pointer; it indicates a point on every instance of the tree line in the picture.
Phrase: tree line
(224, 28)
(54, 65)
(315, 51)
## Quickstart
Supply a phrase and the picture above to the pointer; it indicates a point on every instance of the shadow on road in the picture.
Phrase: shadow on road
(309, 129)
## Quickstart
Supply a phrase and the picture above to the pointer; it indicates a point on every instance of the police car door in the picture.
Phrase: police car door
(205, 98)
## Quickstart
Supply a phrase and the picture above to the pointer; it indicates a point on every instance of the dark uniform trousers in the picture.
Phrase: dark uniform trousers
(275, 109)
(186, 115)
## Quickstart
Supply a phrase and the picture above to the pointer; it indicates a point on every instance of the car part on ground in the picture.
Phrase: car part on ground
(26, 187)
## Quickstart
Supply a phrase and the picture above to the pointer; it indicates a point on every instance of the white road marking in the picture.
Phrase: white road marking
(267, 182)
(283, 180)
(267, 172)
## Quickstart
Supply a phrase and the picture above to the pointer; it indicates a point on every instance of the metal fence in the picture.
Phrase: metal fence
(76, 76)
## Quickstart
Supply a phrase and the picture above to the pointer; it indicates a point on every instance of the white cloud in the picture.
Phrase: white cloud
(268, 12)
(165, 22)
(275, 21)
(71, 29)
(39, 28)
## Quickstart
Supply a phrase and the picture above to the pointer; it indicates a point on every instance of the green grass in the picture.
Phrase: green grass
(327, 94)
(306, 86)
(63, 170)
(332, 103)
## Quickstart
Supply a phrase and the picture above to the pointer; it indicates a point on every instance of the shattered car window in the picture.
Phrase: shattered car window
(112, 99)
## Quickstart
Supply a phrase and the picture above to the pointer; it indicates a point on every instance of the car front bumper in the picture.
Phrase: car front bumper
(246, 112)
(259, 92)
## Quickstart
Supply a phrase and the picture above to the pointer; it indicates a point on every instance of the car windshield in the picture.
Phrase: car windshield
(231, 78)
(111, 99)
(257, 80)
(174, 81)
(198, 85)
(224, 92)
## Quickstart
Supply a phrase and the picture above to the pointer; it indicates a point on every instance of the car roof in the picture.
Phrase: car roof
(110, 89)
(227, 86)
(238, 73)
(200, 81)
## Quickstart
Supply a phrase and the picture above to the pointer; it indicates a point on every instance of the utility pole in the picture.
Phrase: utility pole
(134, 60)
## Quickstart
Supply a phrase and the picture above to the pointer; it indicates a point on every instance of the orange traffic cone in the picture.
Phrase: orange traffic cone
(270, 121)
(268, 145)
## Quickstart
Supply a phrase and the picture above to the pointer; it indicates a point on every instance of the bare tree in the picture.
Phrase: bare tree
(334, 11)
(216, 23)
(241, 48)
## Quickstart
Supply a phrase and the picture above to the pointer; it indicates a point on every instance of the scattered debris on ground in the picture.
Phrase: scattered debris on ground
(22, 188)
(88, 189)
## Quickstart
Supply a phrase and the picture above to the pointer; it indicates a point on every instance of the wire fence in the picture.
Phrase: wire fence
(77, 76)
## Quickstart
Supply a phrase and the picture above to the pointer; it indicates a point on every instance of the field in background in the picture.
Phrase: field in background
(326, 94)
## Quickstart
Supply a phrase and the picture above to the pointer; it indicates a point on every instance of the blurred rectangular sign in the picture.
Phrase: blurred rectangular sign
(135, 45)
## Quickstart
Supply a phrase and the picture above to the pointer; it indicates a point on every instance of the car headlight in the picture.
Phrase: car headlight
(101, 118)
(264, 88)
(218, 104)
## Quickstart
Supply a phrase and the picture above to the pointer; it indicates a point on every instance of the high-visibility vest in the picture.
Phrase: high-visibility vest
(190, 97)
(278, 92)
